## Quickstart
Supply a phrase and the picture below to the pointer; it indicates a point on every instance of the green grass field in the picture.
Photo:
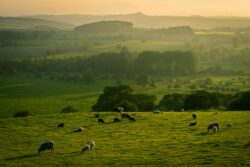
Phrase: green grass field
(44, 96)
(154, 140)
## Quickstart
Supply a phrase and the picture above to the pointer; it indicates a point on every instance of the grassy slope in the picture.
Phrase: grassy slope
(154, 140)
(18, 23)
(44, 96)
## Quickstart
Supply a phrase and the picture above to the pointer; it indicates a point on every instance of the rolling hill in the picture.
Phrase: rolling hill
(146, 21)
(19, 23)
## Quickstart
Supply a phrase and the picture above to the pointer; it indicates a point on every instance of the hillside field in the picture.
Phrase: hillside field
(154, 140)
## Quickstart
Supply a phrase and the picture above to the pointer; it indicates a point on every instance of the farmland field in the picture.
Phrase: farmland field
(154, 140)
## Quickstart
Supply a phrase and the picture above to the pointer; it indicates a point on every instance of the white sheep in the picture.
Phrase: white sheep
(229, 125)
(91, 145)
(157, 111)
(215, 129)
(85, 148)
(80, 129)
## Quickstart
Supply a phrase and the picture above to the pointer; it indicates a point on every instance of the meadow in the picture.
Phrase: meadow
(44, 96)
(153, 140)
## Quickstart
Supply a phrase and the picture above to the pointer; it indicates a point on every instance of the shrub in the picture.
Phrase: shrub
(24, 113)
(68, 109)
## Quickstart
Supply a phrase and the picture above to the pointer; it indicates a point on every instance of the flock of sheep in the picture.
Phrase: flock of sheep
(49, 145)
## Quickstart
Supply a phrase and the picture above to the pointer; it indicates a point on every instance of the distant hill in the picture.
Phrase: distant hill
(20, 23)
(105, 26)
(145, 21)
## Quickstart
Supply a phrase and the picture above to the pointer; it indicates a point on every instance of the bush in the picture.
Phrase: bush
(68, 109)
(240, 102)
(128, 105)
(123, 96)
(172, 102)
(24, 113)
(201, 100)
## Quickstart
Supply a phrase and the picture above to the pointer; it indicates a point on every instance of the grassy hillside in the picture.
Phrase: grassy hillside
(154, 140)
(43, 96)
(18, 23)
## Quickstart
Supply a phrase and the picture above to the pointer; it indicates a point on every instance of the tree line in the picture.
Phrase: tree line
(123, 95)
(147, 62)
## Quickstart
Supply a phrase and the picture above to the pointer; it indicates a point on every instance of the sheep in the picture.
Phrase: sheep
(194, 116)
(47, 145)
(116, 120)
(85, 148)
(91, 145)
(193, 124)
(182, 109)
(80, 129)
(132, 119)
(210, 126)
(61, 125)
(229, 125)
(101, 121)
(157, 111)
(119, 109)
(125, 115)
(215, 129)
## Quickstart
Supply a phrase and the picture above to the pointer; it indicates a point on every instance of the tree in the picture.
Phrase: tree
(111, 97)
(201, 100)
(172, 102)
(114, 96)
(240, 102)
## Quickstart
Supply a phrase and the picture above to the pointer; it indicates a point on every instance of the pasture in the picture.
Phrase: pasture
(43, 96)
(153, 140)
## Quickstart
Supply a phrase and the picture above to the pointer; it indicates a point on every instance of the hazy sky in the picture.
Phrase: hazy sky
(150, 7)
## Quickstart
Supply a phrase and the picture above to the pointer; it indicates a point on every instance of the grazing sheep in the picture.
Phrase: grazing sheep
(157, 111)
(194, 116)
(125, 115)
(61, 125)
(47, 145)
(132, 119)
(85, 148)
(229, 125)
(116, 120)
(118, 109)
(182, 109)
(80, 129)
(193, 124)
(91, 145)
(101, 121)
(215, 129)
(210, 126)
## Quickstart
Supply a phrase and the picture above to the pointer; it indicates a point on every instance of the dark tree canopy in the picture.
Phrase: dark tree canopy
(114, 96)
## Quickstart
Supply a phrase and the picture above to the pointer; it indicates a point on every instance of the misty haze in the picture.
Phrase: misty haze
(124, 83)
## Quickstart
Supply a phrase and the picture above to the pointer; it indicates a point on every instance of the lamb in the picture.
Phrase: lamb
(210, 126)
(194, 116)
(91, 145)
(101, 121)
(85, 148)
(119, 109)
(47, 145)
(215, 129)
(229, 125)
(61, 125)
(193, 124)
(80, 129)
(125, 115)
(132, 119)
(157, 111)
(116, 120)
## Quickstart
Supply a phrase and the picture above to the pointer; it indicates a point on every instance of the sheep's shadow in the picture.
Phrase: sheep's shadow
(22, 157)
